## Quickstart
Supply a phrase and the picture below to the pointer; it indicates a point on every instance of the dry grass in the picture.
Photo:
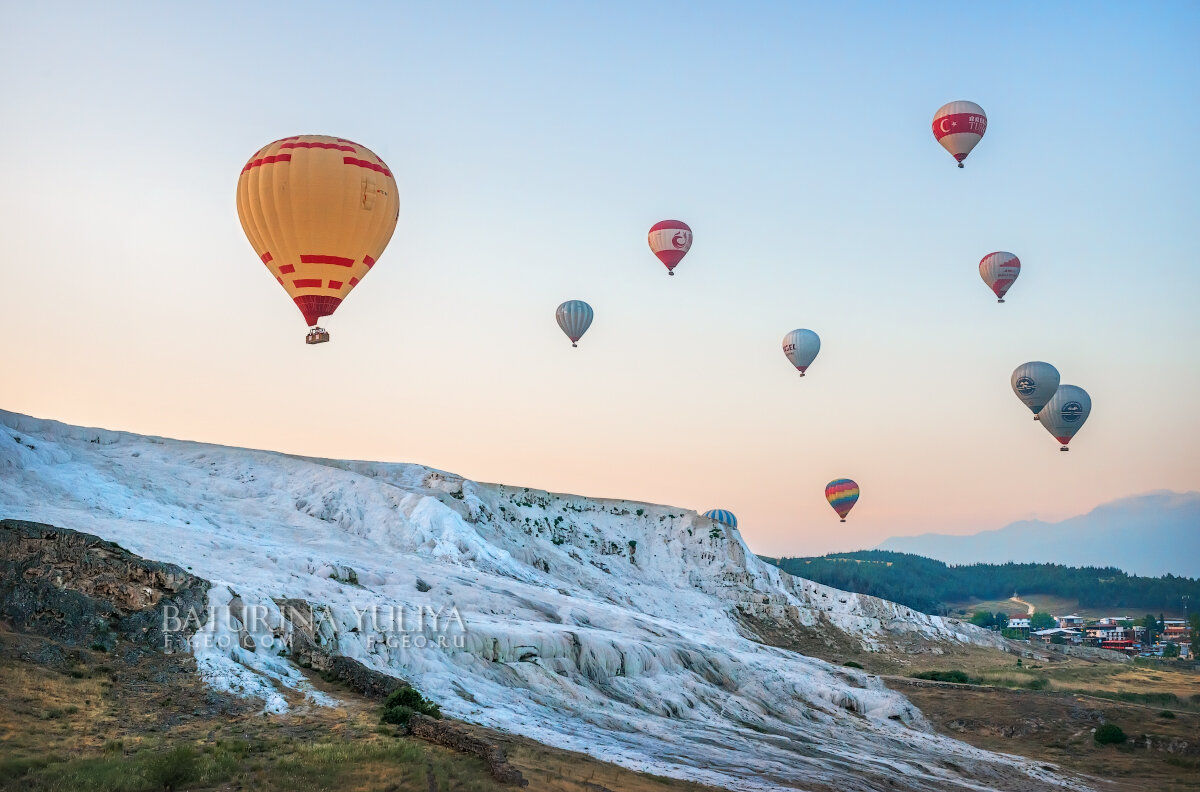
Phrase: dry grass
(80, 721)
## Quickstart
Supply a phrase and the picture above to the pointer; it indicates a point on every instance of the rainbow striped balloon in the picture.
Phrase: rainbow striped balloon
(842, 494)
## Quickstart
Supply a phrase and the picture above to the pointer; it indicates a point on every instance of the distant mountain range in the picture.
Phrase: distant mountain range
(1152, 535)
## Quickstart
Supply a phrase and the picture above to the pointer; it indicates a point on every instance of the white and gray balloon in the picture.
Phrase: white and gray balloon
(1065, 413)
(1034, 383)
(574, 317)
(801, 348)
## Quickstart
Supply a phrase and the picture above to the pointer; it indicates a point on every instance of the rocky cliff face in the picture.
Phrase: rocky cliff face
(640, 633)
(85, 591)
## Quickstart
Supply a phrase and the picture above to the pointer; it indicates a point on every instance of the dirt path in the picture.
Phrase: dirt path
(1028, 605)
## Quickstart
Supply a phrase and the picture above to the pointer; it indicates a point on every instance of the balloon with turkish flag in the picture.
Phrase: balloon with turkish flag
(959, 126)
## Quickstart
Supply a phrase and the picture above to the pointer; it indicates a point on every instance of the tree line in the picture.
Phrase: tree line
(928, 585)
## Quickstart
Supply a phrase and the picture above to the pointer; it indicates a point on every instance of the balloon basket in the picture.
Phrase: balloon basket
(1036, 418)
(1064, 448)
(671, 273)
(999, 301)
(573, 345)
(842, 520)
(960, 165)
(317, 335)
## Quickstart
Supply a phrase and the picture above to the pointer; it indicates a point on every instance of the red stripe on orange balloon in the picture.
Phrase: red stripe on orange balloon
(287, 269)
(335, 284)
(319, 146)
(268, 161)
(370, 262)
(306, 283)
(368, 165)
(313, 258)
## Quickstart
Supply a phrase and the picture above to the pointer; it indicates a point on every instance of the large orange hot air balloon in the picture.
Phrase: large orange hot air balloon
(319, 212)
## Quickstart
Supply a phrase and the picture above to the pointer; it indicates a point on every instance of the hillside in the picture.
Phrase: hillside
(619, 629)
(935, 587)
(1152, 534)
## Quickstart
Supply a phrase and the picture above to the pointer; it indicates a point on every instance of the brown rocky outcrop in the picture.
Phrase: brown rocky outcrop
(84, 591)
(447, 734)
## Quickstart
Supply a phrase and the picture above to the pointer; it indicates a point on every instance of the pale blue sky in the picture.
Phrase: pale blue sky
(534, 145)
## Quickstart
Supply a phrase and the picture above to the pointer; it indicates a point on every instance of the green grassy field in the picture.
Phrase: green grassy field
(1047, 603)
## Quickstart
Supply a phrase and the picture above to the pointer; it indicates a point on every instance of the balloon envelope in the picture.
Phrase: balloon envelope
(998, 271)
(722, 516)
(1034, 383)
(1066, 412)
(319, 212)
(959, 126)
(842, 494)
(574, 317)
(801, 348)
(670, 240)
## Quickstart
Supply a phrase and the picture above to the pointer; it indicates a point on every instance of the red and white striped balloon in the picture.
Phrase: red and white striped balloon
(958, 126)
(998, 271)
(670, 240)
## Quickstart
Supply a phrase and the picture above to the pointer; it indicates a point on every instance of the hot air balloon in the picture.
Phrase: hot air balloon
(801, 348)
(1034, 383)
(722, 516)
(670, 240)
(958, 126)
(574, 317)
(319, 212)
(842, 494)
(998, 271)
(1065, 413)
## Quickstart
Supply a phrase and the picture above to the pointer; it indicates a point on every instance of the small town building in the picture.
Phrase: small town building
(1067, 634)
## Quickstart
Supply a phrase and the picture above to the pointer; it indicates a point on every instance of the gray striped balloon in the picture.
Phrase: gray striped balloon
(574, 317)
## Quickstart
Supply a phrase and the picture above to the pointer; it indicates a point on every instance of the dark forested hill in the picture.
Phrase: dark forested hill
(929, 585)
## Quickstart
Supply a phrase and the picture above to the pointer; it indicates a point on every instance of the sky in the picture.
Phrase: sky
(534, 145)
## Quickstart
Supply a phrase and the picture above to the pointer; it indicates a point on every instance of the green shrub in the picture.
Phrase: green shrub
(1110, 734)
(851, 664)
(1038, 684)
(398, 715)
(1166, 714)
(401, 703)
(174, 768)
